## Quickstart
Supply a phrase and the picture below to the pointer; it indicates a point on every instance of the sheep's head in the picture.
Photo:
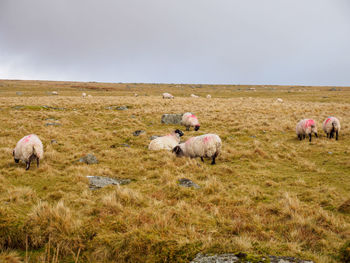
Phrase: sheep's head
(314, 129)
(335, 124)
(196, 128)
(180, 133)
(178, 151)
(13, 153)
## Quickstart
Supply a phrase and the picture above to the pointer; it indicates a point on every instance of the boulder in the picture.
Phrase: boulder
(171, 118)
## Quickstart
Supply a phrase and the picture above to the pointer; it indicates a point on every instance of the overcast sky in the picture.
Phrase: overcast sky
(304, 42)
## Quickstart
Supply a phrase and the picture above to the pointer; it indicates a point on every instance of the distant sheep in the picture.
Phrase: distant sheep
(279, 100)
(207, 145)
(306, 127)
(190, 120)
(208, 96)
(167, 96)
(89, 96)
(194, 96)
(331, 125)
(83, 94)
(167, 142)
(136, 95)
(28, 149)
(54, 93)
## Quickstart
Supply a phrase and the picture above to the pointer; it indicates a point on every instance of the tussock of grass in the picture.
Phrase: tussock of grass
(268, 194)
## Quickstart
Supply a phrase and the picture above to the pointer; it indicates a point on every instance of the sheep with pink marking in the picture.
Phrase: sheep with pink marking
(306, 127)
(330, 126)
(167, 142)
(204, 146)
(28, 149)
(190, 120)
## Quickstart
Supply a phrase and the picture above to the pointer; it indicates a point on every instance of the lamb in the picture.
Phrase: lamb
(194, 96)
(167, 142)
(306, 127)
(28, 149)
(83, 94)
(167, 96)
(190, 120)
(331, 125)
(208, 96)
(207, 145)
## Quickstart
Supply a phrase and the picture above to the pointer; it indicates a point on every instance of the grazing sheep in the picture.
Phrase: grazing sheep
(331, 125)
(208, 96)
(207, 145)
(28, 149)
(54, 93)
(167, 96)
(194, 96)
(190, 120)
(306, 127)
(136, 95)
(279, 100)
(83, 94)
(89, 96)
(167, 142)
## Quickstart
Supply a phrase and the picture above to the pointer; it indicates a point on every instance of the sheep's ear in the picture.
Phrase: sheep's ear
(176, 150)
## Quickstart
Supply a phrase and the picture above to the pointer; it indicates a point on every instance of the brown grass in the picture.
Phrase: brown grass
(268, 193)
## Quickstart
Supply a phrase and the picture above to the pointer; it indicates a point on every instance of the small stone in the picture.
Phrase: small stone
(120, 145)
(18, 93)
(18, 107)
(89, 159)
(253, 136)
(100, 181)
(138, 132)
(330, 153)
(171, 118)
(188, 183)
(122, 108)
(52, 124)
(53, 141)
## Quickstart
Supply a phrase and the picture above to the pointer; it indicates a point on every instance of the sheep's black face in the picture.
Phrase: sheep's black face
(196, 128)
(180, 133)
(177, 150)
(16, 160)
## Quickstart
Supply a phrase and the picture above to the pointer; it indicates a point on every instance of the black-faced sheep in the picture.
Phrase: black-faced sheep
(306, 127)
(28, 149)
(190, 120)
(330, 126)
(167, 142)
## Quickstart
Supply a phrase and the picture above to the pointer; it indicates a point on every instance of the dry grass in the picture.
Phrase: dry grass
(268, 193)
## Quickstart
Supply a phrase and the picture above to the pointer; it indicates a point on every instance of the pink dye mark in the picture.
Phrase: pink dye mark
(193, 116)
(26, 139)
(207, 139)
(189, 140)
(328, 120)
(309, 123)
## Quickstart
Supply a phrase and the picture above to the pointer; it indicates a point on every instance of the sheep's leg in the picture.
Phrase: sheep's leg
(332, 134)
(336, 135)
(327, 135)
(202, 159)
(213, 158)
(309, 137)
(37, 162)
(299, 137)
(28, 165)
(303, 136)
(316, 135)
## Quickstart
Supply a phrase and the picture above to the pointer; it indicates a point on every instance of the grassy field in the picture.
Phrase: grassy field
(268, 194)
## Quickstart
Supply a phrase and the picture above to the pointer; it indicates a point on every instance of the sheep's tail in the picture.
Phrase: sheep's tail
(38, 151)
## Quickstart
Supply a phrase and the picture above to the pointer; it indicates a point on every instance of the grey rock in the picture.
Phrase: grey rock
(138, 132)
(171, 118)
(133, 116)
(89, 159)
(332, 89)
(52, 124)
(100, 181)
(122, 108)
(115, 107)
(153, 137)
(50, 119)
(52, 108)
(18, 107)
(188, 183)
(330, 153)
(18, 93)
(53, 141)
(232, 258)
(253, 136)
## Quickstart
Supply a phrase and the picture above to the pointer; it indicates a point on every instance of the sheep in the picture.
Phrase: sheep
(331, 125)
(306, 127)
(28, 149)
(89, 96)
(167, 96)
(279, 100)
(194, 96)
(136, 95)
(190, 120)
(83, 94)
(167, 142)
(54, 93)
(208, 96)
(207, 145)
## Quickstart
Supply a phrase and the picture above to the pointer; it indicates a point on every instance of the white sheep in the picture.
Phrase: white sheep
(136, 95)
(167, 142)
(279, 100)
(83, 94)
(190, 120)
(89, 96)
(306, 127)
(331, 125)
(28, 149)
(167, 96)
(207, 145)
(54, 93)
(208, 96)
(194, 96)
